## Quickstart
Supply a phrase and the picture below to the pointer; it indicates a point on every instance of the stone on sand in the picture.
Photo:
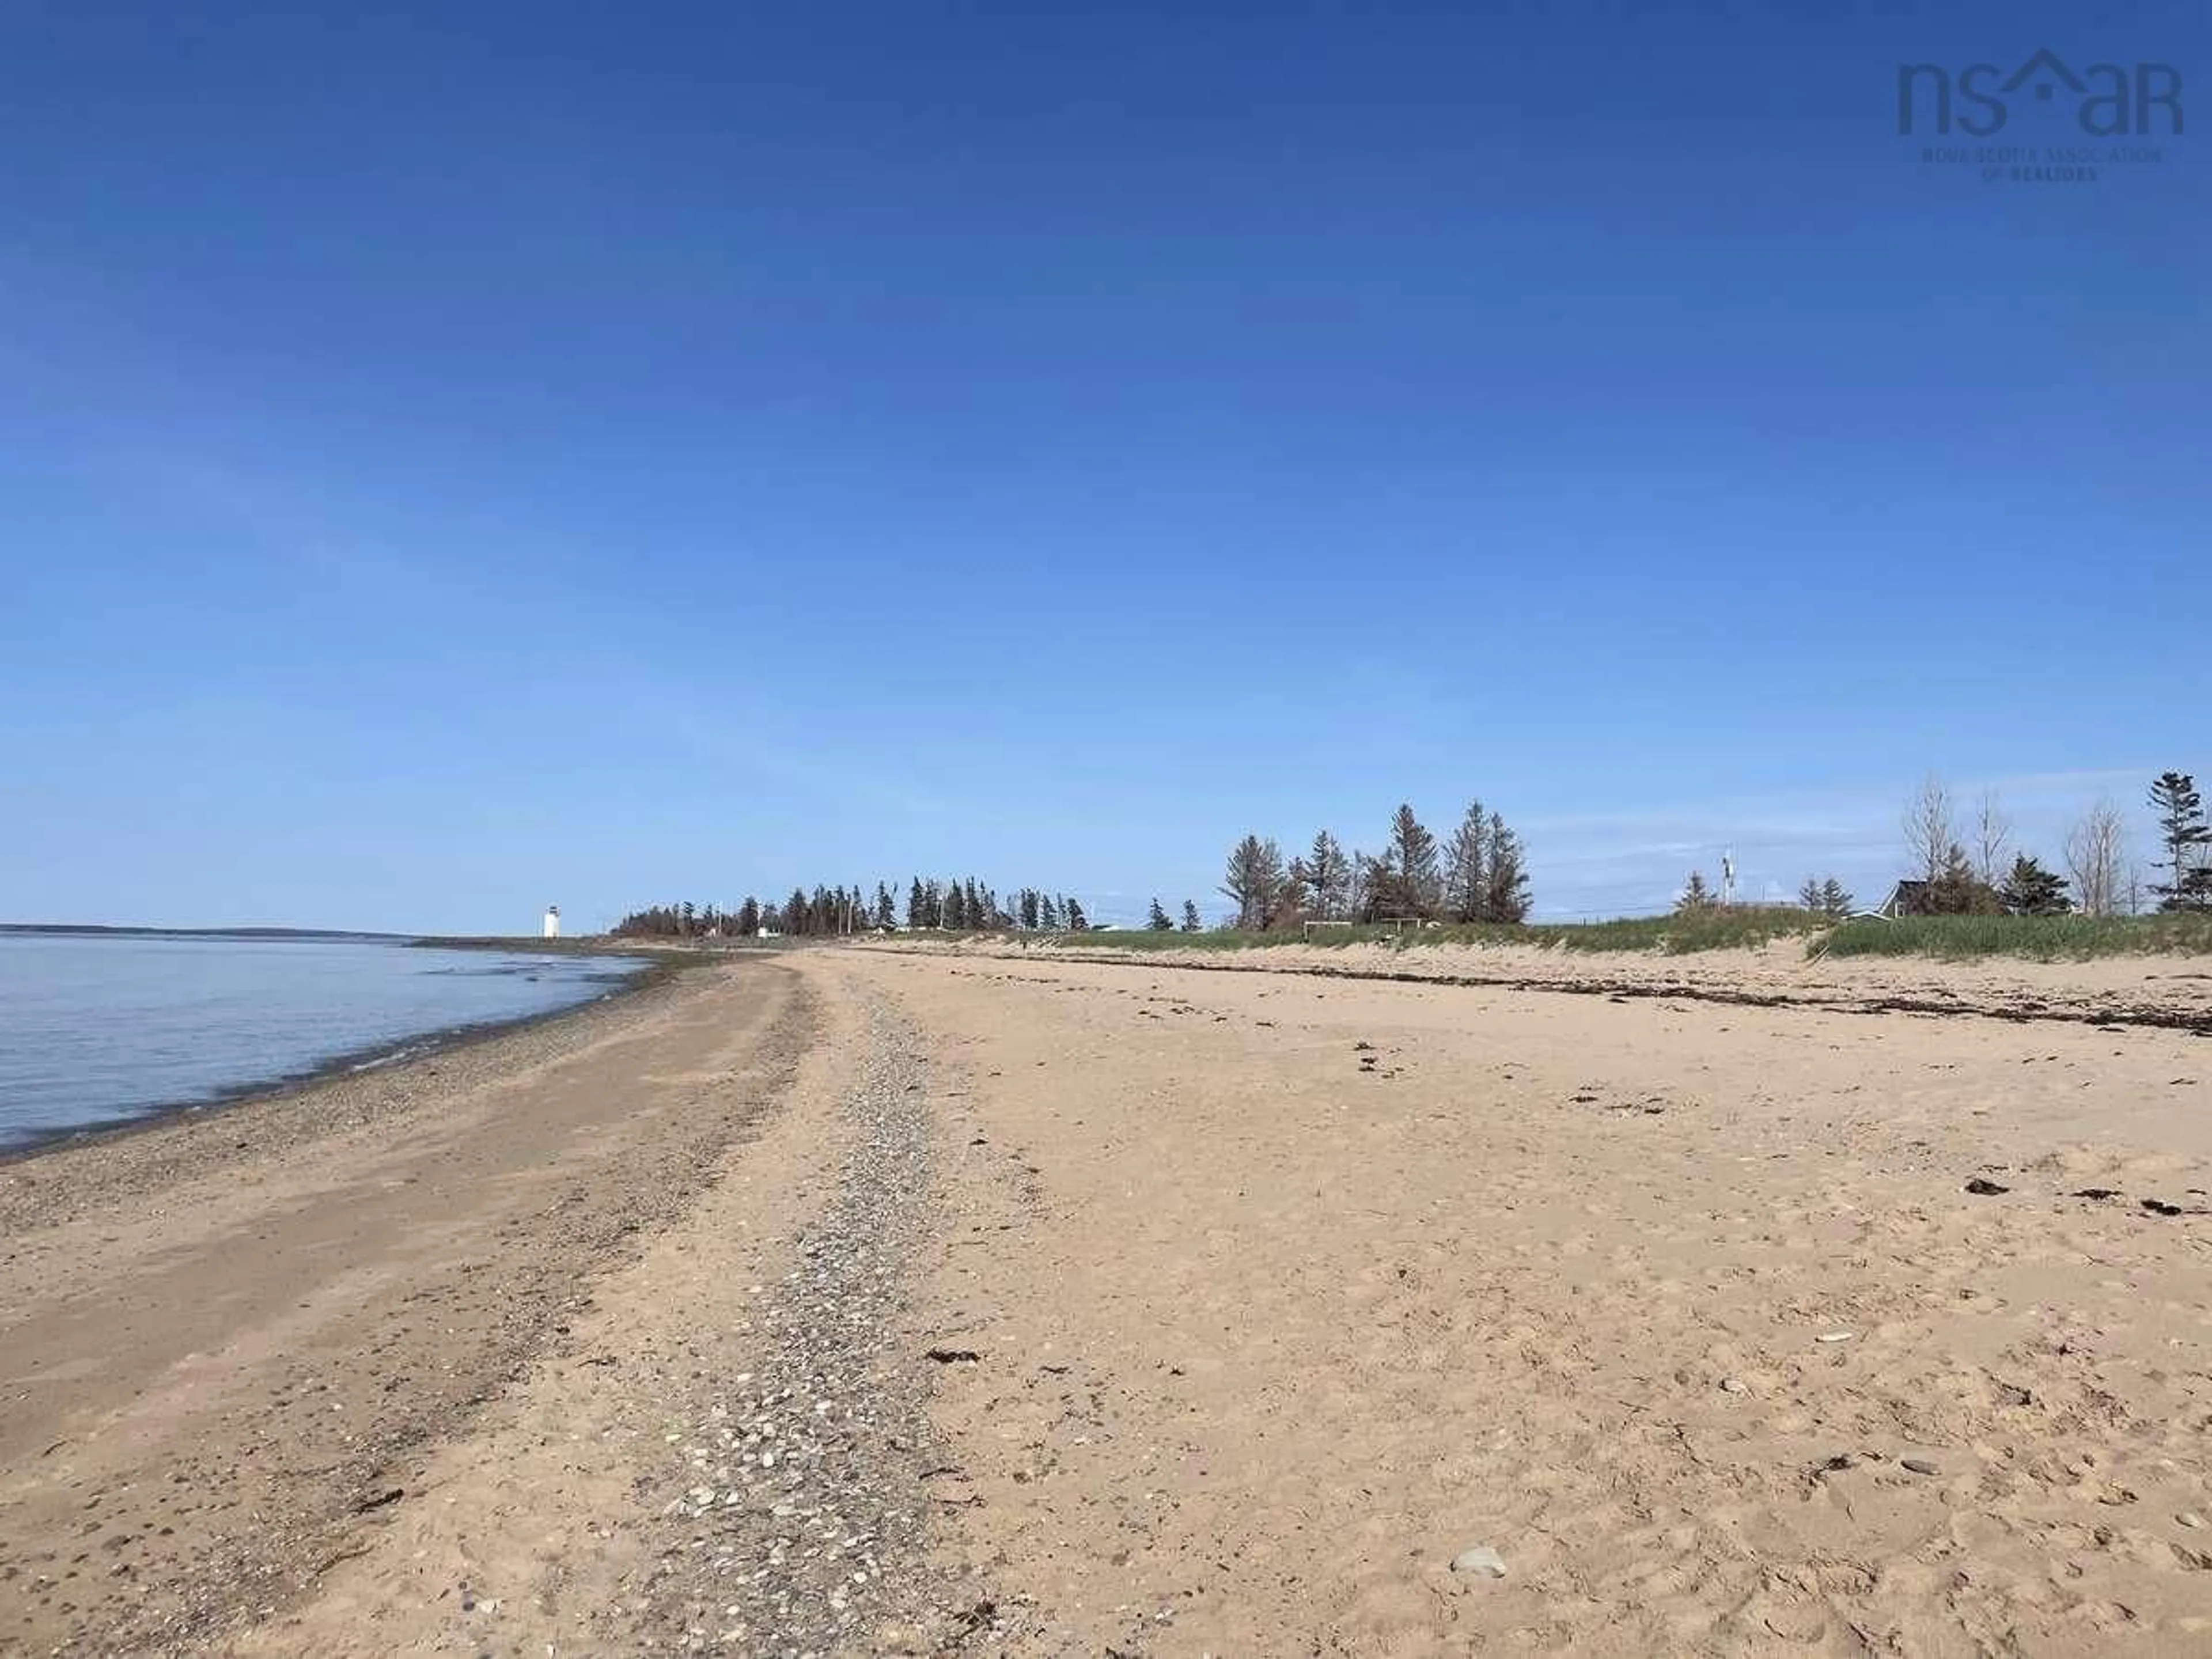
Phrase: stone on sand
(1481, 1560)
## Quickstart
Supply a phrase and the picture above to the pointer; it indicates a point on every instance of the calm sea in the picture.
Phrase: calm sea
(99, 1029)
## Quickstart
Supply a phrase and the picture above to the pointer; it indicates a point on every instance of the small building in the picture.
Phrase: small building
(552, 922)
(1907, 898)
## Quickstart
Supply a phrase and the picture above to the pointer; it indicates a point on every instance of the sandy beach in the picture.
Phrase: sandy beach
(861, 1300)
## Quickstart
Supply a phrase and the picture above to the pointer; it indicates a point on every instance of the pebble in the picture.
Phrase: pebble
(1917, 1465)
(815, 1518)
(1480, 1560)
(1834, 1336)
(1734, 1385)
(2189, 1518)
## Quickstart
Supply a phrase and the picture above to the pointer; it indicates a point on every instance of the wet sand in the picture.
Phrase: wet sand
(226, 1339)
(868, 1301)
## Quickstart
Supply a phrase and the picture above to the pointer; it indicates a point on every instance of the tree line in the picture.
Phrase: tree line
(964, 903)
(1972, 866)
(1478, 873)
(1965, 871)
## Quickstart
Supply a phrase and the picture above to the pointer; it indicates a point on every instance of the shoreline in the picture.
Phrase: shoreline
(1160, 1293)
(388, 1058)
(237, 1351)
(593, 944)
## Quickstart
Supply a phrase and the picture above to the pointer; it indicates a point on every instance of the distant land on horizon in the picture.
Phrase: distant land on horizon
(96, 927)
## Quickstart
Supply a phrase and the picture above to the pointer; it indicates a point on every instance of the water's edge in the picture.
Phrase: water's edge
(443, 1039)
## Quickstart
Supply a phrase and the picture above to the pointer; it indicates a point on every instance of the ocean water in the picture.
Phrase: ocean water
(100, 1028)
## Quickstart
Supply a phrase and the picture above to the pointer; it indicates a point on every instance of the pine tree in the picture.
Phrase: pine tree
(1809, 895)
(1466, 867)
(1835, 899)
(1413, 855)
(1254, 881)
(1160, 921)
(2030, 890)
(1190, 922)
(1030, 909)
(1050, 912)
(1958, 891)
(1329, 875)
(1695, 895)
(1506, 875)
(955, 906)
(2183, 832)
(1077, 922)
(749, 916)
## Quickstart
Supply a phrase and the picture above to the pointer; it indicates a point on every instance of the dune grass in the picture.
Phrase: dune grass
(1736, 927)
(1951, 939)
(2035, 938)
(1739, 927)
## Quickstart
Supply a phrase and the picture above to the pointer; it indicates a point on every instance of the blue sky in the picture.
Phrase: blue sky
(458, 459)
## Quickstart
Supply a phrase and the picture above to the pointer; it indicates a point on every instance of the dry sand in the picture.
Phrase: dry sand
(865, 1300)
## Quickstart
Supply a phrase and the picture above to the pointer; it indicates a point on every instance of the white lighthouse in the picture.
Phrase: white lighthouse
(552, 922)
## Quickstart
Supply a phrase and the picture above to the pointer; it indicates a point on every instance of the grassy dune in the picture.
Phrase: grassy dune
(1707, 930)
(2040, 939)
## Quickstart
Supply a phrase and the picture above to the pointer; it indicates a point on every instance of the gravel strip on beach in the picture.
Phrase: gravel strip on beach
(805, 1519)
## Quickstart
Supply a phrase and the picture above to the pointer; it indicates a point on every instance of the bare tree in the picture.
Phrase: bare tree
(1930, 830)
(1992, 836)
(1361, 887)
(2096, 858)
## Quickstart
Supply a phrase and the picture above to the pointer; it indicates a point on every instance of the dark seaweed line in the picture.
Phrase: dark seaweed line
(2016, 1013)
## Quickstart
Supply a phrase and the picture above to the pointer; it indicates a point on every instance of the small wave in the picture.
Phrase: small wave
(374, 1061)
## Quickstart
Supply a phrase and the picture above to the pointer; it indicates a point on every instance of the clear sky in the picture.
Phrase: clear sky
(458, 458)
